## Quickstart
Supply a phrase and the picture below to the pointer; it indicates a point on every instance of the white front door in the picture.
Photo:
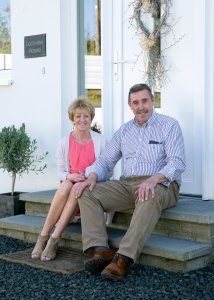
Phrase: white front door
(119, 70)
(180, 98)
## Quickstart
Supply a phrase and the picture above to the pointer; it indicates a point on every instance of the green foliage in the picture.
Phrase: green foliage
(95, 97)
(5, 36)
(91, 47)
(17, 153)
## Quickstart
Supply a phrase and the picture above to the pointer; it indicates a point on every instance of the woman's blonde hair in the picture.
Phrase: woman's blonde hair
(80, 103)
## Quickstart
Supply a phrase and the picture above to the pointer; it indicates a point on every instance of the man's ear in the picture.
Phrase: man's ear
(130, 105)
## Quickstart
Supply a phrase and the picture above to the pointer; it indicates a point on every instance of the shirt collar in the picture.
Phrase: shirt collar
(149, 122)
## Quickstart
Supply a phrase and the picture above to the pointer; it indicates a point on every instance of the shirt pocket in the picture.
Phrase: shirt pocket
(155, 153)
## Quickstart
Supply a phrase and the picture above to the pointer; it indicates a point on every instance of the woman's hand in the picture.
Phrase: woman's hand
(75, 177)
(79, 187)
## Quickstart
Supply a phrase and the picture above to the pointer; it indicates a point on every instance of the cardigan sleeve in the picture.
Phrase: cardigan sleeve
(61, 159)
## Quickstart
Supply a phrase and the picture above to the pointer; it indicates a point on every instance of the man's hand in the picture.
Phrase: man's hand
(148, 186)
(90, 182)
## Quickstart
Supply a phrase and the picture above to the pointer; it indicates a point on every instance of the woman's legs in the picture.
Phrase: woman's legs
(58, 203)
(54, 213)
(69, 211)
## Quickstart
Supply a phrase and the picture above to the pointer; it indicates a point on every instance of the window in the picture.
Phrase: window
(5, 35)
(93, 69)
(92, 27)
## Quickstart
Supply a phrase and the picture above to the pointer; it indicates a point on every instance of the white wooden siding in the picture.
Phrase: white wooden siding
(93, 72)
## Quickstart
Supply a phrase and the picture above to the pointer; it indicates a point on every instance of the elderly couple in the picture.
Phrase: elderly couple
(152, 147)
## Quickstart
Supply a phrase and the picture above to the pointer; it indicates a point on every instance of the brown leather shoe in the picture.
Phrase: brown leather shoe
(99, 260)
(117, 268)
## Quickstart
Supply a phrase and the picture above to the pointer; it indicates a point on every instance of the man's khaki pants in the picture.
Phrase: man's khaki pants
(119, 195)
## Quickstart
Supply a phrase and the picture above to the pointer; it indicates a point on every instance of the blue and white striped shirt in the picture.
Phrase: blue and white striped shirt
(154, 147)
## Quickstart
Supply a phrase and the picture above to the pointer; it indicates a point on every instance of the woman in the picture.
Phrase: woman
(74, 153)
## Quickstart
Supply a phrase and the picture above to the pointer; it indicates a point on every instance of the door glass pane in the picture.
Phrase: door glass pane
(93, 69)
(5, 35)
(92, 27)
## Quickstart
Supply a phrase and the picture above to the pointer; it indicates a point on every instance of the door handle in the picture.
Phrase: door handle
(119, 61)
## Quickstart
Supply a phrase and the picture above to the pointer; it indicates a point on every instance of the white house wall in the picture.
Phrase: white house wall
(35, 96)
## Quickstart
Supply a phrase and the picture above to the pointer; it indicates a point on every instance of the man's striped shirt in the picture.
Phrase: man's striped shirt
(154, 147)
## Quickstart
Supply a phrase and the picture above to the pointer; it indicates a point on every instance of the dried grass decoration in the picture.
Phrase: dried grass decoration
(150, 41)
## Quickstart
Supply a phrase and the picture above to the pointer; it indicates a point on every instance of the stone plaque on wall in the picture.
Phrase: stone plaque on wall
(35, 45)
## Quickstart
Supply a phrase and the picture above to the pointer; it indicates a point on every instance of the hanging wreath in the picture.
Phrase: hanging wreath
(150, 41)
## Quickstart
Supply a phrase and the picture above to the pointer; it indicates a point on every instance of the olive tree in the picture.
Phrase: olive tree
(17, 153)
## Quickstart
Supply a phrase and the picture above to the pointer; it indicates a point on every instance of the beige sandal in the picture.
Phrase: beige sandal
(39, 247)
(50, 250)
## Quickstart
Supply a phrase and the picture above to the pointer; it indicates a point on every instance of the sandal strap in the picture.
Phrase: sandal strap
(40, 246)
(50, 250)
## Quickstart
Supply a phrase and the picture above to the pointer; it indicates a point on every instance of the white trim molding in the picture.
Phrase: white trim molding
(208, 112)
(5, 78)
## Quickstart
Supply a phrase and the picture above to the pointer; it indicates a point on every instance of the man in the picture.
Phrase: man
(152, 147)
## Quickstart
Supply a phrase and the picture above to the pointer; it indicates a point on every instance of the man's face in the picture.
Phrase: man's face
(141, 103)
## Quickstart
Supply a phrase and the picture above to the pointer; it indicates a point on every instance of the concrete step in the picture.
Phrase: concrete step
(37, 203)
(168, 253)
(191, 219)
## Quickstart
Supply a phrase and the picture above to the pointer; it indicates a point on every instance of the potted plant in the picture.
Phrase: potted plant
(17, 156)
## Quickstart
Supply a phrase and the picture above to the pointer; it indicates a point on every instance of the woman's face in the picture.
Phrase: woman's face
(82, 119)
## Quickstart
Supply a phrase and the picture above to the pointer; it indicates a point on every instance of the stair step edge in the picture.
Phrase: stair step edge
(187, 210)
(168, 247)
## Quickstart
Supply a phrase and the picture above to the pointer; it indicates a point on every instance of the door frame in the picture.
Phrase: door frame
(112, 90)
